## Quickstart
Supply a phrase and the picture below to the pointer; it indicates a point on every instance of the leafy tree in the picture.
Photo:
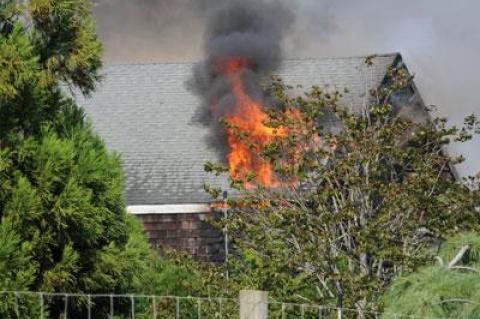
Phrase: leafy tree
(360, 203)
(448, 289)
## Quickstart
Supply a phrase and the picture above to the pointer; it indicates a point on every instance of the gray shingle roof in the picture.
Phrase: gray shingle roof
(144, 112)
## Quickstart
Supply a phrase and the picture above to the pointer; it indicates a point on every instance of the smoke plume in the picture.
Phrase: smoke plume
(239, 34)
(439, 40)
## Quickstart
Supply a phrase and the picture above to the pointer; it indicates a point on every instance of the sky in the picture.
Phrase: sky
(439, 40)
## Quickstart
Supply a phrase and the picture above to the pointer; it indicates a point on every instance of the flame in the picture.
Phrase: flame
(249, 118)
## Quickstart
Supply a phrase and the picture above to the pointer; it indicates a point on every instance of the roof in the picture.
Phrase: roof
(144, 112)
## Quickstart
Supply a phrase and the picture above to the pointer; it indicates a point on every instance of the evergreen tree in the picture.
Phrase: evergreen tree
(64, 226)
(448, 289)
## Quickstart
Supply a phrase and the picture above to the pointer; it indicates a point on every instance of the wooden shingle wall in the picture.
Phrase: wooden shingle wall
(188, 232)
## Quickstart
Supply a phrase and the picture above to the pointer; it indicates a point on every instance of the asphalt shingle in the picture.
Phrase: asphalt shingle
(144, 112)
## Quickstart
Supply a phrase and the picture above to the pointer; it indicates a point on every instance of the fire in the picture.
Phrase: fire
(248, 117)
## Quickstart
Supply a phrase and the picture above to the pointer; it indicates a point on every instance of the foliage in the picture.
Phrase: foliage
(43, 43)
(62, 40)
(362, 201)
(441, 291)
(63, 220)
(17, 270)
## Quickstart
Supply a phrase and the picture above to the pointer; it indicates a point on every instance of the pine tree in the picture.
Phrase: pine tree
(64, 226)
(448, 289)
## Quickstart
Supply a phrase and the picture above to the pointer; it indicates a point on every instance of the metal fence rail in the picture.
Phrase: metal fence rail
(286, 310)
(28, 304)
(46, 305)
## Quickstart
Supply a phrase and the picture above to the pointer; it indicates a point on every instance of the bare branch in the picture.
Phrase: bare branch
(458, 258)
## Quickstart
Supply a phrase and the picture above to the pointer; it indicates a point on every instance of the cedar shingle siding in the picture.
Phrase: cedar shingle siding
(187, 232)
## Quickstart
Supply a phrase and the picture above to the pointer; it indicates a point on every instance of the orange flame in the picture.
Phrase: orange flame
(248, 117)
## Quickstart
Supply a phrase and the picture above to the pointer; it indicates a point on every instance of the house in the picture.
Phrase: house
(146, 113)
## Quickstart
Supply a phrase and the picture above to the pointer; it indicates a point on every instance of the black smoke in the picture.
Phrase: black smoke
(247, 29)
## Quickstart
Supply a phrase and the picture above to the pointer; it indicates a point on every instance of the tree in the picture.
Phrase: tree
(64, 226)
(44, 42)
(448, 289)
(357, 207)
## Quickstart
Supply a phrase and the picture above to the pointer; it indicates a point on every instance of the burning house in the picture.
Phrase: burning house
(149, 114)
(163, 118)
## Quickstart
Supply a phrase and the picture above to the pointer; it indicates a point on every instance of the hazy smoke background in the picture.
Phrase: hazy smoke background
(439, 39)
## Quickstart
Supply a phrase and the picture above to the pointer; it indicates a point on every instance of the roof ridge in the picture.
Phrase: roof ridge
(388, 54)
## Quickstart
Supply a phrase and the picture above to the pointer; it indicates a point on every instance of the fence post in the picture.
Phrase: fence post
(253, 304)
